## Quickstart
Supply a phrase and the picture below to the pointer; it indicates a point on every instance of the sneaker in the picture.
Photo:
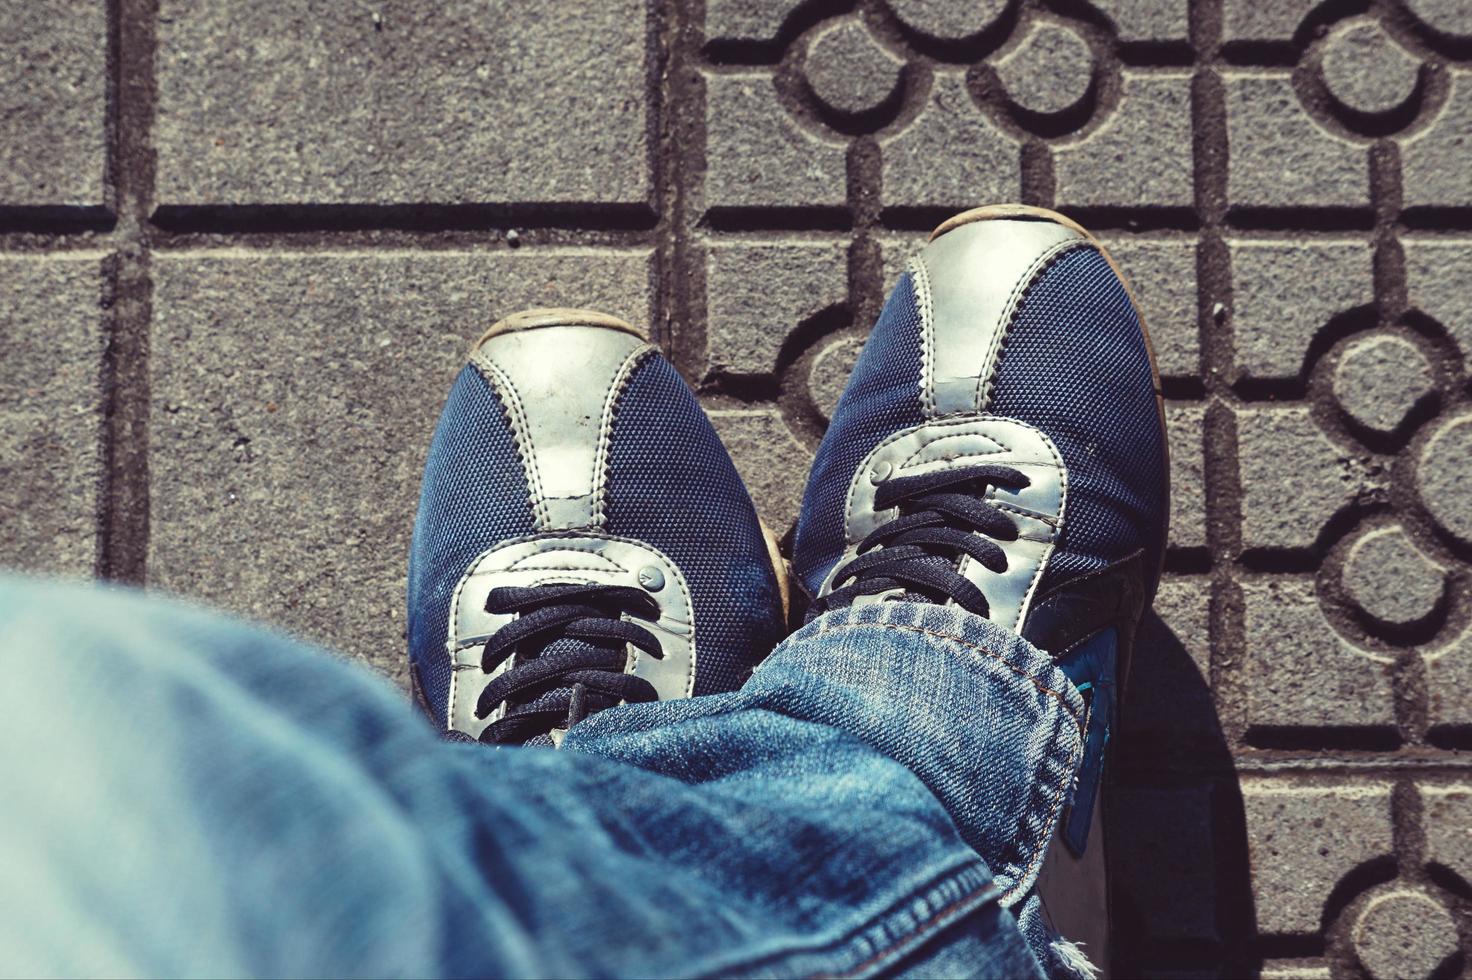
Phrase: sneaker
(1001, 446)
(583, 539)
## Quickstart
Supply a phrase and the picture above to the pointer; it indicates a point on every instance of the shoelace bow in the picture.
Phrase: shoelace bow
(919, 551)
(561, 688)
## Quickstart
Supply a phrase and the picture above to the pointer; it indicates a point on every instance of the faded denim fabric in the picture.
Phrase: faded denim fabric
(186, 795)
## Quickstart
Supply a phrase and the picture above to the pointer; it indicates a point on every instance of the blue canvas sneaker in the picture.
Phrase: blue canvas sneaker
(1001, 446)
(583, 539)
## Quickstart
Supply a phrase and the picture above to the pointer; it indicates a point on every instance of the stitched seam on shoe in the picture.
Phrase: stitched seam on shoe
(986, 379)
(520, 431)
(920, 279)
(1057, 532)
(620, 382)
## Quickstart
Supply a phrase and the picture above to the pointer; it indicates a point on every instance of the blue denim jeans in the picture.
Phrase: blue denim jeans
(186, 795)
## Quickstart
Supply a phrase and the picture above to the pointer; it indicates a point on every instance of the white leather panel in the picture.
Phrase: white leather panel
(967, 284)
(547, 559)
(967, 441)
(562, 428)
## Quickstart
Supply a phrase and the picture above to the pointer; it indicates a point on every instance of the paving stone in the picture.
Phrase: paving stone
(1279, 157)
(1388, 577)
(1364, 69)
(1049, 71)
(1253, 20)
(1293, 478)
(298, 392)
(1441, 476)
(948, 21)
(1185, 424)
(1169, 693)
(758, 156)
(1161, 843)
(1403, 933)
(1149, 20)
(439, 102)
(1300, 672)
(1274, 317)
(1434, 162)
(848, 70)
(1162, 279)
(1379, 379)
(829, 373)
(745, 20)
(1139, 156)
(1446, 813)
(53, 102)
(951, 156)
(50, 412)
(771, 461)
(1437, 272)
(1449, 677)
(1449, 17)
(757, 294)
(1303, 839)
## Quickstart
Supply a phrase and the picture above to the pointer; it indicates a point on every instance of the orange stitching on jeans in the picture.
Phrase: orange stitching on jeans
(972, 646)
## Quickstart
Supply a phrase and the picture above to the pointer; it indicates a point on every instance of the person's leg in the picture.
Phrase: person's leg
(190, 796)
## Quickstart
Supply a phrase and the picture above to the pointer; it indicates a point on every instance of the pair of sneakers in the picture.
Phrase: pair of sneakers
(583, 539)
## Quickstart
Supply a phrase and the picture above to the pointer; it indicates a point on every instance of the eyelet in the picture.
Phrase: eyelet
(651, 578)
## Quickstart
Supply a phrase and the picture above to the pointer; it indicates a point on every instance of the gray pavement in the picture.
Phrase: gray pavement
(245, 245)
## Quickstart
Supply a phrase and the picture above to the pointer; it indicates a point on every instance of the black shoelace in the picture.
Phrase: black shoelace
(919, 551)
(546, 689)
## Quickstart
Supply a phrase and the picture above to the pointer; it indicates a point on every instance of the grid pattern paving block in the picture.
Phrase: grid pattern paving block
(756, 153)
(1293, 478)
(1304, 839)
(53, 102)
(1302, 674)
(1149, 20)
(1447, 812)
(951, 155)
(50, 412)
(296, 393)
(1435, 160)
(758, 293)
(1275, 319)
(1138, 157)
(1437, 272)
(467, 100)
(1449, 674)
(1281, 157)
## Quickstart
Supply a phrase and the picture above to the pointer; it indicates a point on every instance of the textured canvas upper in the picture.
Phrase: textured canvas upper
(668, 483)
(882, 396)
(1072, 362)
(474, 494)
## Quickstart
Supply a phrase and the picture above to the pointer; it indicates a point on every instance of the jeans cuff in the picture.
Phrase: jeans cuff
(981, 716)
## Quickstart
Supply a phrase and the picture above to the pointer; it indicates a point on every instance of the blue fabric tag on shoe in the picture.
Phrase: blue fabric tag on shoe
(1091, 668)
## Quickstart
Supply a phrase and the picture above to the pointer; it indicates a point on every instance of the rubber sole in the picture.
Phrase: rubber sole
(559, 316)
